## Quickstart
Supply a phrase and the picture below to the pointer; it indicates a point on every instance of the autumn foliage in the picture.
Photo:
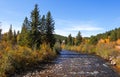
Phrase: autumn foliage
(29, 47)
(106, 45)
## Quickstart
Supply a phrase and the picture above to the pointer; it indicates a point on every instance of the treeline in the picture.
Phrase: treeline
(112, 35)
(34, 32)
(73, 40)
(60, 38)
(106, 45)
(35, 43)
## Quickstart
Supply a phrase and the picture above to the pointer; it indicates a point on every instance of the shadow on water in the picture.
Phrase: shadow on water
(22, 72)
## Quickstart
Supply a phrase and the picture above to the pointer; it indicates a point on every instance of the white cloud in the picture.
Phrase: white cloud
(61, 32)
(87, 28)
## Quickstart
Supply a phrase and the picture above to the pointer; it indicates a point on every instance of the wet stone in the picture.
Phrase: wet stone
(71, 64)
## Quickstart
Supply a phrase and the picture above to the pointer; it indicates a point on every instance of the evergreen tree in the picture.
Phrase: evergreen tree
(69, 40)
(50, 30)
(24, 35)
(66, 41)
(35, 40)
(73, 41)
(118, 33)
(78, 38)
(93, 40)
(14, 39)
(18, 32)
(113, 36)
(43, 28)
(10, 34)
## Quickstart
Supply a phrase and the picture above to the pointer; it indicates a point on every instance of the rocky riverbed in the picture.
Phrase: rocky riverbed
(72, 64)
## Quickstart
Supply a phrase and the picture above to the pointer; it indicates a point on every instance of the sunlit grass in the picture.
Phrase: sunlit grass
(18, 58)
(104, 50)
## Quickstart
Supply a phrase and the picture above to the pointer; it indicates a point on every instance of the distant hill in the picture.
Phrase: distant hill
(112, 35)
(60, 37)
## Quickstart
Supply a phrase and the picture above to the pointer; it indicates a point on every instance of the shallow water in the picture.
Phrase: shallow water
(72, 64)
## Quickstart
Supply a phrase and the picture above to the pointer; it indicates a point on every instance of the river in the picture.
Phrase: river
(72, 64)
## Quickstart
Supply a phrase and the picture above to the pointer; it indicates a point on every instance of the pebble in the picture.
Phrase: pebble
(80, 65)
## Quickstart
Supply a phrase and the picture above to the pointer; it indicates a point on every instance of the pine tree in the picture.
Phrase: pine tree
(10, 34)
(69, 40)
(93, 40)
(24, 35)
(73, 41)
(78, 38)
(118, 33)
(35, 32)
(18, 32)
(14, 39)
(43, 28)
(66, 41)
(113, 36)
(50, 30)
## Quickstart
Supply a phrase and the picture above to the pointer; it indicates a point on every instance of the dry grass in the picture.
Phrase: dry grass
(18, 58)
(105, 50)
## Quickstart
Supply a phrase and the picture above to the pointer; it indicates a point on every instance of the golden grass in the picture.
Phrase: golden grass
(15, 58)
(105, 50)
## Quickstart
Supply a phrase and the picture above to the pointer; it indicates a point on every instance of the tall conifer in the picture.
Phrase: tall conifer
(35, 32)
(50, 30)
(78, 38)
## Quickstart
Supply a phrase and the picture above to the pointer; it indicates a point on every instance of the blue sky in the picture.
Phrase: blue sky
(88, 16)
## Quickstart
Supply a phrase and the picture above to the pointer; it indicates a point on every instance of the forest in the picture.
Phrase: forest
(35, 43)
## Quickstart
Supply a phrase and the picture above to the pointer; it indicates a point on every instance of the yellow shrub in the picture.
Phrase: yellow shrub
(118, 41)
(5, 65)
(46, 52)
(17, 58)
(105, 50)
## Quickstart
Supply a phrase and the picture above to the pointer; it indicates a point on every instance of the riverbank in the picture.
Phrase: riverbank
(72, 64)
(105, 50)
(117, 68)
(18, 59)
